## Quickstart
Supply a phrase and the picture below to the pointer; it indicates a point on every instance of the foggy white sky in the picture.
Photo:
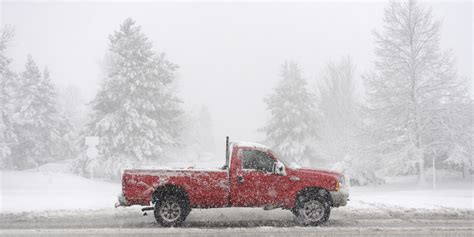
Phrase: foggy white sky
(229, 53)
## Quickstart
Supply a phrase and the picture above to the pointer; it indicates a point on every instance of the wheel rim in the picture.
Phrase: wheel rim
(170, 211)
(313, 210)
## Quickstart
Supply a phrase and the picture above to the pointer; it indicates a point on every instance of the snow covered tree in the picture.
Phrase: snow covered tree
(337, 110)
(339, 124)
(135, 113)
(40, 128)
(72, 105)
(457, 134)
(7, 101)
(409, 89)
(61, 132)
(291, 126)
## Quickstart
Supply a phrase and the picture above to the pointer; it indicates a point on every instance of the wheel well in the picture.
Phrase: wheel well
(169, 189)
(315, 191)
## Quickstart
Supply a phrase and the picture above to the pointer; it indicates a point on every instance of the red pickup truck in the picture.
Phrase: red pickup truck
(253, 176)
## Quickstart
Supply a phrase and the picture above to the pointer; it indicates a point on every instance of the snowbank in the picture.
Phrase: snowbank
(34, 190)
(428, 199)
(451, 192)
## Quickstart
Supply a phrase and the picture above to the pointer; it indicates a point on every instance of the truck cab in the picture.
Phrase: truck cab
(258, 177)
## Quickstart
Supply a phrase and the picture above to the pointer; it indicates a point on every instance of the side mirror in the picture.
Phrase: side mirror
(279, 168)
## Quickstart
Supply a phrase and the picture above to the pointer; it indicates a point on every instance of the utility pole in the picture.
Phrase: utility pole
(434, 173)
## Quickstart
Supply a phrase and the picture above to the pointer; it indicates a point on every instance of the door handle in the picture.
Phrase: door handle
(294, 178)
(240, 179)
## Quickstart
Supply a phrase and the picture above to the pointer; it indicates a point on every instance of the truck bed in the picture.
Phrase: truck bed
(206, 188)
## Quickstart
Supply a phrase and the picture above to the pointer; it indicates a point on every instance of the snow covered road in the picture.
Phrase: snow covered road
(296, 232)
(45, 203)
(240, 222)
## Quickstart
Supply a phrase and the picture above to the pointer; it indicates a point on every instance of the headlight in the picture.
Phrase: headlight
(342, 181)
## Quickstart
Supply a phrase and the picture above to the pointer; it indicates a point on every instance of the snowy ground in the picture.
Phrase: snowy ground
(451, 192)
(47, 190)
(50, 201)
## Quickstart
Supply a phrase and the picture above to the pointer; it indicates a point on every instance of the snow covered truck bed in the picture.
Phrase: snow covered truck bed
(204, 188)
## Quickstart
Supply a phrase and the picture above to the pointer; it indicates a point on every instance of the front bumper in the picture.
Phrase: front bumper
(339, 198)
(121, 201)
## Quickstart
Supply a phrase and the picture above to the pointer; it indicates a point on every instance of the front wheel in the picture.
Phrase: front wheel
(312, 210)
(171, 211)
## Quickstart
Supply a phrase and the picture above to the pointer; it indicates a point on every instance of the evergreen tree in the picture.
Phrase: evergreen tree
(40, 128)
(135, 114)
(73, 107)
(409, 89)
(291, 125)
(7, 101)
(61, 131)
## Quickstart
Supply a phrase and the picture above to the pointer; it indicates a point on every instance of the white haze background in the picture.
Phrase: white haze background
(229, 54)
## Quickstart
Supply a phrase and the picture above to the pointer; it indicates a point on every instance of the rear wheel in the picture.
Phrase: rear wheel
(312, 209)
(171, 211)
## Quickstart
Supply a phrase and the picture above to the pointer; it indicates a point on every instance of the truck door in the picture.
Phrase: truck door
(254, 183)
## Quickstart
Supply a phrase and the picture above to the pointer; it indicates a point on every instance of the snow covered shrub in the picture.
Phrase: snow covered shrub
(357, 173)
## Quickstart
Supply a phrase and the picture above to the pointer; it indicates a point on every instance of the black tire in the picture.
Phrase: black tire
(294, 211)
(312, 209)
(171, 210)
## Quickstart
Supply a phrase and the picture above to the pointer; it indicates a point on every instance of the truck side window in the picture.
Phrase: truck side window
(257, 160)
